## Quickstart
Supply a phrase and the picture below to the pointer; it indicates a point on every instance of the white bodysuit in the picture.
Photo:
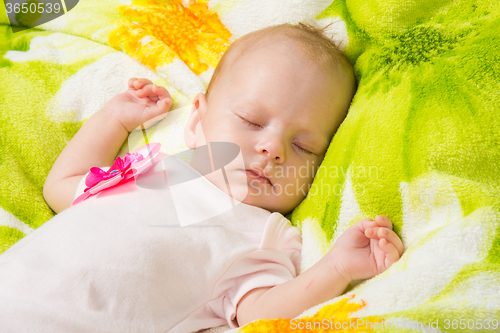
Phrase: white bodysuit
(120, 262)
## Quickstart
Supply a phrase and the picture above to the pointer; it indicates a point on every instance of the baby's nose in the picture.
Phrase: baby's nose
(274, 151)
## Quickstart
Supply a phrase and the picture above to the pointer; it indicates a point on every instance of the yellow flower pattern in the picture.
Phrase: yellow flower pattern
(330, 318)
(154, 32)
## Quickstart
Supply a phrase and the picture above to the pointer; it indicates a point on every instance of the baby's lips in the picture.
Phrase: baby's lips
(254, 173)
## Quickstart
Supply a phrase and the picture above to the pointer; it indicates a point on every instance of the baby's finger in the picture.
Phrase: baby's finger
(366, 223)
(158, 111)
(140, 83)
(391, 253)
(389, 235)
(147, 91)
(164, 104)
(131, 82)
(383, 221)
(161, 92)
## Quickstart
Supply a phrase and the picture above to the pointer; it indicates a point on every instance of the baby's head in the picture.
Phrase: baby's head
(280, 94)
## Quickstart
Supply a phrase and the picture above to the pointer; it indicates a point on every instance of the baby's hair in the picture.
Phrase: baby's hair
(313, 41)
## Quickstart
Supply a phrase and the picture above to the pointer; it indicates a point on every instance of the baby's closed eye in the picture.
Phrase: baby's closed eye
(303, 150)
(249, 122)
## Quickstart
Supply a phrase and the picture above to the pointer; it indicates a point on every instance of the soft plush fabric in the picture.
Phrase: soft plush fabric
(124, 261)
(420, 143)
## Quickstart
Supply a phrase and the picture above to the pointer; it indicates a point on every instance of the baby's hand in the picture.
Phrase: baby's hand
(366, 249)
(141, 102)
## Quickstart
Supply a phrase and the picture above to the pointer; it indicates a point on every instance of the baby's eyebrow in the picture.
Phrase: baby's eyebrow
(257, 112)
(245, 104)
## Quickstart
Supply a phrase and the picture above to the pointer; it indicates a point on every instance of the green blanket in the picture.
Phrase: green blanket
(420, 143)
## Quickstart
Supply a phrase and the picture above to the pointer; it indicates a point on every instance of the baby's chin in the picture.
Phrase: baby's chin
(267, 201)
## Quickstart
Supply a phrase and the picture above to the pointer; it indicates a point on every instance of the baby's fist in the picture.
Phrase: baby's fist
(366, 249)
(143, 101)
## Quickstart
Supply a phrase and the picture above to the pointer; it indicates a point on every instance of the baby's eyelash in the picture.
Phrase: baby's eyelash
(249, 123)
(305, 151)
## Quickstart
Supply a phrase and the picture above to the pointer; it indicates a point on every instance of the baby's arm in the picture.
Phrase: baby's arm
(362, 251)
(96, 144)
(98, 141)
(316, 285)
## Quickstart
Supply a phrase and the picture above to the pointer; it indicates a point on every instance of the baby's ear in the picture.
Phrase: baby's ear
(193, 129)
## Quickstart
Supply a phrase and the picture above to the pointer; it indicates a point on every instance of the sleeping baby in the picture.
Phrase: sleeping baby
(118, 261)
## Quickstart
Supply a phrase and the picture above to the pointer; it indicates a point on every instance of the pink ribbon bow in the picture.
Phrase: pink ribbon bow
(132, 164)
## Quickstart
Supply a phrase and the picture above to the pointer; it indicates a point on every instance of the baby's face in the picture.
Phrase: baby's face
(281, 110)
